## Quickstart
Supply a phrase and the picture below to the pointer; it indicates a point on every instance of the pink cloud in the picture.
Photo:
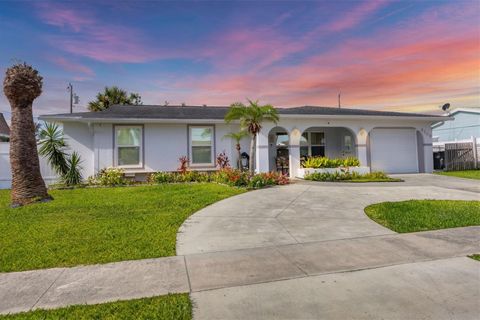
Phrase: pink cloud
(73, 66)
(63, 17)
(355, 16)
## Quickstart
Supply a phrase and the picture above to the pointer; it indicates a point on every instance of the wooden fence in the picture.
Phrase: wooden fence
(460, 156)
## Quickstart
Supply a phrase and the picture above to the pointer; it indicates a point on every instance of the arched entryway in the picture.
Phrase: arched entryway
(278, 150)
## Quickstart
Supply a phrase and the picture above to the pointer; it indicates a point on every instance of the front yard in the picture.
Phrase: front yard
(468, 174)
(172, 306)
(423, 215)
(100, 225)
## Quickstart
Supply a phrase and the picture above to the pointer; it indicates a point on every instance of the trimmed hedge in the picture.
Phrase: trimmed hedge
(324, 162)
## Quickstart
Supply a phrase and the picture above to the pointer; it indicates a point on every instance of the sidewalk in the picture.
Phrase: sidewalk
(52, 288)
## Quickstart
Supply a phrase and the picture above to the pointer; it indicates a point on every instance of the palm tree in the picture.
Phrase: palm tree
(22, 85)
(113, 95)
(237, 137)
(251, 118)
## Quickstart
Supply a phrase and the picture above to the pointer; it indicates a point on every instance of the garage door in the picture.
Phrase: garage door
(394, 150)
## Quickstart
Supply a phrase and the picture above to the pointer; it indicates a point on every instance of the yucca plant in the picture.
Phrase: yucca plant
(52, 146)
(73, 176)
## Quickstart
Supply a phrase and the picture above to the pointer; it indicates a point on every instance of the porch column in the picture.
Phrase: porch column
(362, 148)
(294, 152)
(261, 153)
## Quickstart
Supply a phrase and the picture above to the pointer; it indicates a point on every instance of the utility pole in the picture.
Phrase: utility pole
(73, 97)
(339, 105)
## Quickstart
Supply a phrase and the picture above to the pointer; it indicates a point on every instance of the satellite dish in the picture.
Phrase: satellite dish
(446, 106)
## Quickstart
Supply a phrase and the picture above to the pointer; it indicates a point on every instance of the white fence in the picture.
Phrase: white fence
(6, 176)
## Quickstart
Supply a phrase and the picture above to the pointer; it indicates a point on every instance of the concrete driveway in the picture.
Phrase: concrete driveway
(355, 268)
(307, 211)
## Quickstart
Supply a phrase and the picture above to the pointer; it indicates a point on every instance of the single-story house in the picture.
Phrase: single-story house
(4, 129)
(147, 138)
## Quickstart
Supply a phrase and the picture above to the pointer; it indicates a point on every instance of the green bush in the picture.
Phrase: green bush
(108, 177)
(324, 162)
(347, 175)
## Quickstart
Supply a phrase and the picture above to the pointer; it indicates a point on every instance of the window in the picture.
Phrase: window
(347, 144)
(312, 144)
(128, 146)
(201, 145)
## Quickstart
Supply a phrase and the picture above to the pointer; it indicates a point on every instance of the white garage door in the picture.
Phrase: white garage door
(394, 150)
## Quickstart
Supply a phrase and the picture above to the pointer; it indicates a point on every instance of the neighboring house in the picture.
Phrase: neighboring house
(4, 129)
(464, 128)
(144, 139)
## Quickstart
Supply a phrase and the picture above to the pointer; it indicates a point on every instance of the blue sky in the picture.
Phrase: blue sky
(384, 55)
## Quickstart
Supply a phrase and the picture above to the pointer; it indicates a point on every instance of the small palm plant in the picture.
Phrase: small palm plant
(53, 147)
(251, 118)
(237, 137)
(73, 176)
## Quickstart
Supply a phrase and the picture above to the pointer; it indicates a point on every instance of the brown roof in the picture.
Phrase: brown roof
(4, 129)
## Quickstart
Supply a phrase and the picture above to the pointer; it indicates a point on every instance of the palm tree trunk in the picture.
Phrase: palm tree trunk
(251, 162)
(22, 85)
(239, 155)
(27, 183)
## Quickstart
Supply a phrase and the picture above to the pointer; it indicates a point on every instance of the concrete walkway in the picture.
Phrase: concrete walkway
(52, 288)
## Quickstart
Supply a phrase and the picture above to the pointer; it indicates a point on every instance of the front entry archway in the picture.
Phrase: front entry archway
(278, 150)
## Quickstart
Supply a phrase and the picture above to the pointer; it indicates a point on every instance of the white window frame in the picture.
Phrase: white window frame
(212, 146)
(309, 144)
(116, 146)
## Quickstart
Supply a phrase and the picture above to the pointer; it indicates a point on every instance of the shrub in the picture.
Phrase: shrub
(347, 175)
(324, 162)
(223, 161)
(351, 162)
(183, 164)
(231, 177)
(108, 177)
(161, 177)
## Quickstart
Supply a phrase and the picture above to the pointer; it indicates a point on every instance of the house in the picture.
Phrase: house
(4, 129)
(463, 129)
(144, 139)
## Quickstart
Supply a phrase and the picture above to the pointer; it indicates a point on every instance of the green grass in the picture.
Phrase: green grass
(422, 215)
(475, 256)
(469, 174)
(99, 225)
(172, 306)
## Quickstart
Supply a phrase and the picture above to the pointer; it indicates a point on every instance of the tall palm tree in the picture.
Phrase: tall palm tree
(251, 118)
(237, 137)
(22, 85)
(113, 95)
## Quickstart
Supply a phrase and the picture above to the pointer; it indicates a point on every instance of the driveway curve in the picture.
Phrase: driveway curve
(307, 212)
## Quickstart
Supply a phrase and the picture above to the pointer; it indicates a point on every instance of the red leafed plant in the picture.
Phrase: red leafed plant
(183, 168)
(223, 161)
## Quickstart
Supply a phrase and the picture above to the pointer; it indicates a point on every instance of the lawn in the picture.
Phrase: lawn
(475, 256)
(469, 174)
(99, 225)
(172, 306)
(422, 215)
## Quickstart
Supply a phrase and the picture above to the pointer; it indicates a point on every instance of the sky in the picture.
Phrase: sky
(410, 56)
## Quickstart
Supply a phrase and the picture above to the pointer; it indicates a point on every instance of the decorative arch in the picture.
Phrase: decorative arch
(278, 149)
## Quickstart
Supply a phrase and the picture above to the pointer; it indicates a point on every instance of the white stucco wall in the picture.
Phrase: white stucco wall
(164, 143)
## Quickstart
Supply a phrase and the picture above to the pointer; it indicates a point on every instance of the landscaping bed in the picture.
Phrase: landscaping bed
(423, 215)
(172, 306)
(100, 225)
(348, 176)
(468, 174)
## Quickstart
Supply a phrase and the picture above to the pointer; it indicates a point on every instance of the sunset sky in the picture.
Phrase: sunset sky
(383, 55)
